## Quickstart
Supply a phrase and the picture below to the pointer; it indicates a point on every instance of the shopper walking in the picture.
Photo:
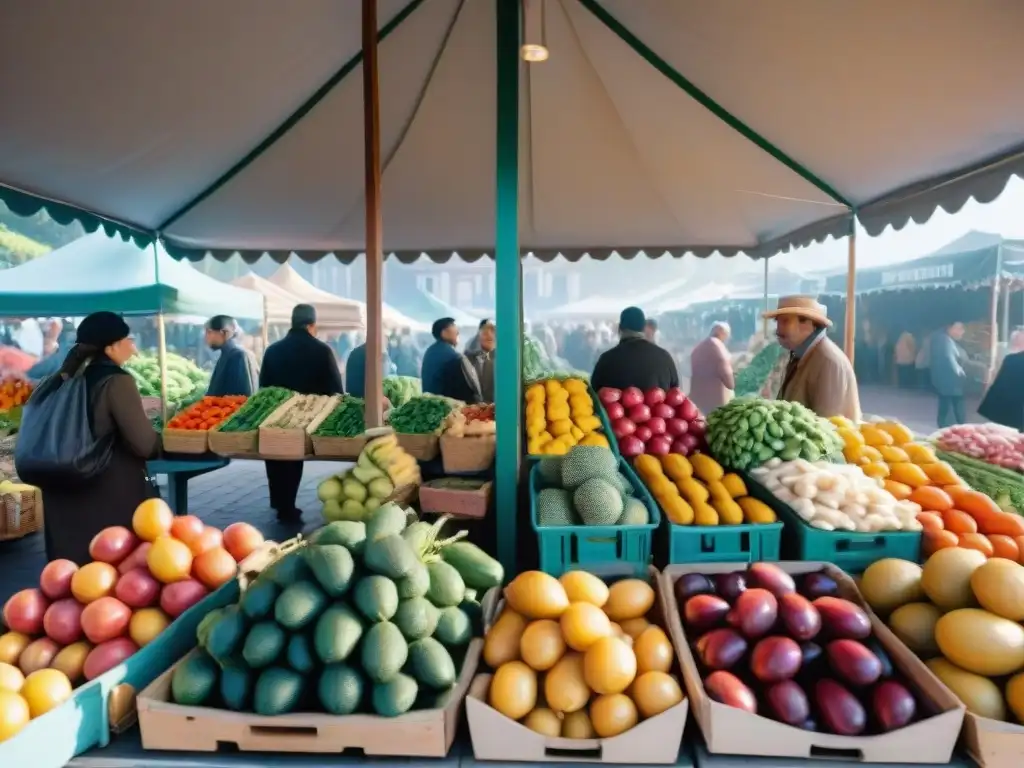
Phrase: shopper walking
(482, 359)
(634, 361)
(711, 375)
(948, 377)
(236, 371)
(302, 363)
(106, 492)
(818, 374)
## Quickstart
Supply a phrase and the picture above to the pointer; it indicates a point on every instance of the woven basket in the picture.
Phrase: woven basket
(421, 447)
(186, 440)
(467, 454)
(406, 495)
(21, 513)
(285, 443)
(338, 447)
(234, 443)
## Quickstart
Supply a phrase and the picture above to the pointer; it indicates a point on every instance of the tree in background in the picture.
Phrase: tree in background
(25, 238)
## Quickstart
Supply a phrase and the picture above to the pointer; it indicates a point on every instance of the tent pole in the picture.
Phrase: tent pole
(764, 320)
(265, 330)
(1007, 300)
(509, 275)
(993, 341)
(850, 327)
(374, 222)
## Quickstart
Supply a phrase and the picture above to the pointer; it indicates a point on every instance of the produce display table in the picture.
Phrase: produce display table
(126, 751)
(181, 469)
(704, 759)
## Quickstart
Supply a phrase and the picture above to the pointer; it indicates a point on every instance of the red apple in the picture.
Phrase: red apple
(639, 413)
(630, 446)
(690, 440)
(614, 411)
(687, 410)
(676, 427)
(674, 397)
(663, 411)
(656, 424)
(680, 447)
(609, 395)
(643, 433)
(658, 445)
(698, 427)
(623, 427)
(654, 396)
(631, 396)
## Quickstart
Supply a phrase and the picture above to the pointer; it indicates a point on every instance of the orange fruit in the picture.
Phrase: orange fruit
(169, 560)
(44, 690)
(241, 540)
(1004, 546)
(214, 567)
(931, 499)
(977, 541)
(93, 581)
(187, 528)
(152, 519)
(11, 678)
(146, 625)
(931, 521)
(14, 714)
(959, 522)
(210, 538)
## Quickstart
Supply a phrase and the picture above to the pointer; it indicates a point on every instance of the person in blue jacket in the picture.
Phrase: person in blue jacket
(355, 370)
(946, 360)
(446, 371)
(236, 371)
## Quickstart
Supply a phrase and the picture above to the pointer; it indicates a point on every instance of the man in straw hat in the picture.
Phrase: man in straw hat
(819, 375)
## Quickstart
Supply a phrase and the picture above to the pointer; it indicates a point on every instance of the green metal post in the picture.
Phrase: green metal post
(508, 278)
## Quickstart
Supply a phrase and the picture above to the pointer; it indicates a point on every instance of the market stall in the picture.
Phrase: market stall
(96, 272)
(333, 312)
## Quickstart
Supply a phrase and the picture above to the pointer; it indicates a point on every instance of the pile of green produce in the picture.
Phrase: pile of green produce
(1004, 486)
(348, 419)
(423, 415)
(401, 389)
(371, 617)
(585, 487)
(184, 378)
(256, 409)
(382, 467)
(751, 378)
(539, 366)
(749, 431)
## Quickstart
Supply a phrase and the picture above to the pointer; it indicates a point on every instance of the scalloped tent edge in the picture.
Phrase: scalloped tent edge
(916, 202)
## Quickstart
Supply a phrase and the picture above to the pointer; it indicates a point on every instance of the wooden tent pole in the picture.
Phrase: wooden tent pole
(764, 320)
(374, 221)
(850, 327)
(265, 331)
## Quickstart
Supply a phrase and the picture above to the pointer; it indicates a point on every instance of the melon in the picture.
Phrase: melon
(981, 642)
(979, 694)
(914, 624)
(889, 583)
(999, 587)
(946, 577)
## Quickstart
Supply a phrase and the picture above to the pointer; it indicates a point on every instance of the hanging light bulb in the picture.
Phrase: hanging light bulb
(535, 52)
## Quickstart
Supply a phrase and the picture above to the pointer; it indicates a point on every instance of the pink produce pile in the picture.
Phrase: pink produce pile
(657, 421)
(992, 443)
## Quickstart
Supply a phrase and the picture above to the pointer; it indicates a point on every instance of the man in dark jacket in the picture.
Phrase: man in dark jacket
(1004, 401)
(634, 361)
(948, 375)
(446, 371)
(302, 363)
(236, 371)
(355, 370)
(482, 359)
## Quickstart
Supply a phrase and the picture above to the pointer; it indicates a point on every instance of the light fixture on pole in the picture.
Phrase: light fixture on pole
(535, 52)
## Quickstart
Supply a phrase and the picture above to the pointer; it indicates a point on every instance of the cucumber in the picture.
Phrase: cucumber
(479, 570)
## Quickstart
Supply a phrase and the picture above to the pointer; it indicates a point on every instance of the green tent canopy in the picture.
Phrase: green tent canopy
(96, 272)
(426, 308)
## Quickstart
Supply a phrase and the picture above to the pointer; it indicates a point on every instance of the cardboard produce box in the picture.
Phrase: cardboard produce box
(728, 730)
(656, 740)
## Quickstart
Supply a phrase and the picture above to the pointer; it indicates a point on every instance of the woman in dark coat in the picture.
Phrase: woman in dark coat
(1004, 401)
(74, 515)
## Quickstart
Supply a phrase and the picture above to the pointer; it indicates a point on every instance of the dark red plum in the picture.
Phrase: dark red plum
(704, 612)
(754, 613)
(775, 659)
(721, 648)
(893, 705)
(788, 703)
(818, 584)
(842, 619)
(730, 586)
(853, 663)
(840, 711)
(771, 577)
(690, 584)
(726, 688)
(800, 619)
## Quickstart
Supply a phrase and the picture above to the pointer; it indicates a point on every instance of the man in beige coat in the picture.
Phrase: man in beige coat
(711, 377)
(818, 375)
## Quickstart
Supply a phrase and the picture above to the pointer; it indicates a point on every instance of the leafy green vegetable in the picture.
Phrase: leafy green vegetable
(256, 409)
(1004, 486)
(348, 419)
(423, 415)
(750, 379)
(401, 389)
(186, 382)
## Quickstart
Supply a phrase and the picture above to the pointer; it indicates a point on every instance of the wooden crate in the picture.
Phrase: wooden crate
(422, 733)
(338, 447)
(21, 511)
(278, 443)
(234, 443)
(186, 440)
(473, 453)
(420, 447)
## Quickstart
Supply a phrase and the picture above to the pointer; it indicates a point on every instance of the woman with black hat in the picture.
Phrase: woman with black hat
(74, 515)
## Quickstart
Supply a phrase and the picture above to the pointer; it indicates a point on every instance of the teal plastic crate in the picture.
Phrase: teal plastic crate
(83, 721)
(606, 426)
(853, 552)
(569, 547)
(747, 543)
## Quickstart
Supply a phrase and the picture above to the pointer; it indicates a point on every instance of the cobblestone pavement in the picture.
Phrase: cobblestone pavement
(239, 491)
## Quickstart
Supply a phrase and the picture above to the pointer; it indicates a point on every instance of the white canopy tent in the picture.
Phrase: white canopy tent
(277, 300)
(755, 151)
(331, 311)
